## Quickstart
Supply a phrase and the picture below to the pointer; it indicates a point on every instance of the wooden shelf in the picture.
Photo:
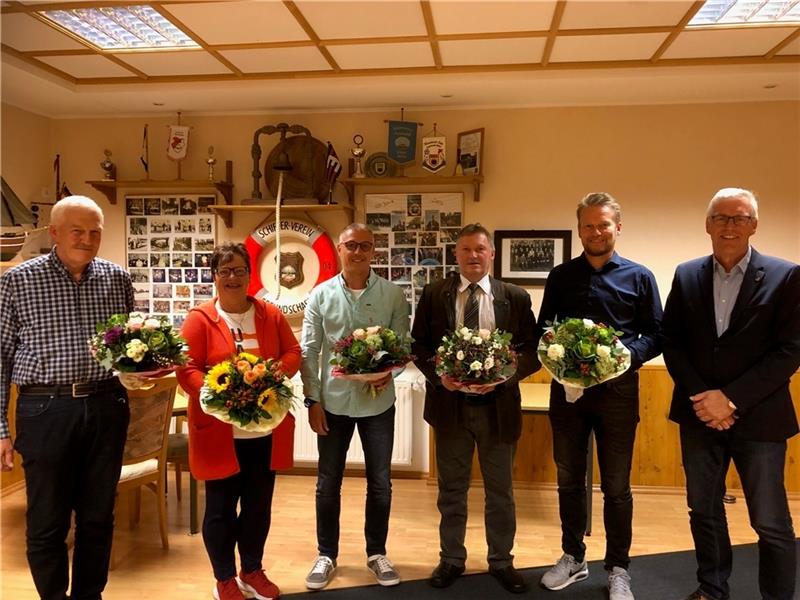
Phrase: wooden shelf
(475, 181)
(109, 187)
(225, 210)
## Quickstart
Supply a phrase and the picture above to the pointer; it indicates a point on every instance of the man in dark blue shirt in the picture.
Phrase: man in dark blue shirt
(602, 286)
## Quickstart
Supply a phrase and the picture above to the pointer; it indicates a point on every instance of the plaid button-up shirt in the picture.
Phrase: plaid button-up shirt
(47, 318)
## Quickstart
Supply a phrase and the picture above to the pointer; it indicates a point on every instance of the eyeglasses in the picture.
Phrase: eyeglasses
(353, 246)
(737, 220)
(237, 272)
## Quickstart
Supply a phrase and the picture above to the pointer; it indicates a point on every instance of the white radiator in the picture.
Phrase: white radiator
(305, 440)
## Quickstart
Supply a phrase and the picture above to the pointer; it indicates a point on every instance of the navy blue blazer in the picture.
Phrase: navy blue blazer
(752, 361)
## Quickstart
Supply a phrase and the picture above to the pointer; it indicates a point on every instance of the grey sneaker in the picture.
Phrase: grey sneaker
(383, 569)
(565, 572)
(619, 584)
(321, 573)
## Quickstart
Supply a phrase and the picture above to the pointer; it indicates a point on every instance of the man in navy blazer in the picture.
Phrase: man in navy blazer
(731, 342)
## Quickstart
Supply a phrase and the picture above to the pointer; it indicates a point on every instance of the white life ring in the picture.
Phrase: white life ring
(309, 244)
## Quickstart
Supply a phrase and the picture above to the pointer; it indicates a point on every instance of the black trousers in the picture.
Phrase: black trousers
(71, 451)
(223, 527)
(611, 410)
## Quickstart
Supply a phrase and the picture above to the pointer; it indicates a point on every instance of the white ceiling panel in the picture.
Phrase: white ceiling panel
(746, 41)
(86, 66)
(24, 33)
(333, 19)
(450, 17)
(374, 56)
(175, 63)
(254, 22)
(267, 60)
(633, 46)
(486, 52)
(582, 14)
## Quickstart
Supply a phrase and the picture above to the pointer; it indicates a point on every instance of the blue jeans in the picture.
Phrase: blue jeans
(251, 489)
(71, 451)
(377, 440)
(706, 456)
(611, 410)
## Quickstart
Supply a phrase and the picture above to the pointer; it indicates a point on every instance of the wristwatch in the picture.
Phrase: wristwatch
(309, 402)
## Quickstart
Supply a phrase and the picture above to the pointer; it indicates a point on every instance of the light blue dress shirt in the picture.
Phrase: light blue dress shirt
(333, 312)
(726, 291)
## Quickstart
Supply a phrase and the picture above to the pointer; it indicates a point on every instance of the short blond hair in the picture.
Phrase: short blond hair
(600, 199)
(60, 209)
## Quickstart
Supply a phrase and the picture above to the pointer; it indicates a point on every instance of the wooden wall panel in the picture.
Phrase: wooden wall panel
(657, 456)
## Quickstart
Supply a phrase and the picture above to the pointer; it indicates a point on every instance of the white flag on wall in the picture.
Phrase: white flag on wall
(178, 143)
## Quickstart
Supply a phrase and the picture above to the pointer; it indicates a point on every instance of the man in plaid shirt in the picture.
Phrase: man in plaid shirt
(72, 415)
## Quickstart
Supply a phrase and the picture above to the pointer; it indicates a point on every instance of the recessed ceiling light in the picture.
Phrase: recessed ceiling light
(121, 28)
(446, 95)
(730, 12)
(158, 104)
(770, 86)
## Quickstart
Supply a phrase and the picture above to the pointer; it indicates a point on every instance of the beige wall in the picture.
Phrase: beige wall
(662, 163)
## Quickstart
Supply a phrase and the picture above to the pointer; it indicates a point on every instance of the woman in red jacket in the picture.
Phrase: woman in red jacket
(238, 466)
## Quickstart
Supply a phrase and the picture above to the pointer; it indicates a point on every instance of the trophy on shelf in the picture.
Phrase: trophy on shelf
(211, 161)
(109, 168)
(358, 154)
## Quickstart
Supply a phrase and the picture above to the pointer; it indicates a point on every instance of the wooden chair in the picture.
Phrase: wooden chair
(178, 455)
(144, 461)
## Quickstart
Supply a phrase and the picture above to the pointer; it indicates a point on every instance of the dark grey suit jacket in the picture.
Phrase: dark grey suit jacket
(435, 316)
(752, 361)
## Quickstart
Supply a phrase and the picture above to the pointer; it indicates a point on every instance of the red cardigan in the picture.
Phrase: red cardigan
(211, 452)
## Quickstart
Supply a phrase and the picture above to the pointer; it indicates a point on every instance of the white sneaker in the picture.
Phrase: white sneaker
(619, 584)
(321, 573)
(565, 572)
(383, 569)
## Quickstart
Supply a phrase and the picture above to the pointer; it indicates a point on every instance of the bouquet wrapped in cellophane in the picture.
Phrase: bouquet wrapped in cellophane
(247, 391)
(475, 358)
(368, 355)
(580, 353)
(145, 345)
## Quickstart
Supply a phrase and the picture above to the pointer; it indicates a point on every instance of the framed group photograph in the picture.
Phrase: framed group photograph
(470, 151)
(526, 257)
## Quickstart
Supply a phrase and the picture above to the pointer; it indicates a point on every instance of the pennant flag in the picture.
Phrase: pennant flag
(178, 143)
(333, 166)
(64, 191)
(402, 142)
(145, 155)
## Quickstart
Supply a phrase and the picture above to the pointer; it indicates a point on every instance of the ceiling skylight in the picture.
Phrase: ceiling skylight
(121, 28)
(738, 12)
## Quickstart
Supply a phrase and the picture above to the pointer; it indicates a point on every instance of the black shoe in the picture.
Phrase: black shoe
(445, 574)
(510, 579)
(698, 595)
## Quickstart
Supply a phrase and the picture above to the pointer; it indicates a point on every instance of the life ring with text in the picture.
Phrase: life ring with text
(308, 257)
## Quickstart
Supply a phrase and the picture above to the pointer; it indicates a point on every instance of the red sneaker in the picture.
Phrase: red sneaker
(256, 583)
(228, 590)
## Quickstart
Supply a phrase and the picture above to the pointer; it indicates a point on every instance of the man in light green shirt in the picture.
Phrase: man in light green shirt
(356, 298)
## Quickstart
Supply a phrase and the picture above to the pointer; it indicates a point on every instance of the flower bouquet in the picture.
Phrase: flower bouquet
(139, 344)
(579, 354)
(367, 355)
(247, 391)
(475, 358)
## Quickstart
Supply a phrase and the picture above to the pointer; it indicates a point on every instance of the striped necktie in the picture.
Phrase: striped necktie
(471, 307)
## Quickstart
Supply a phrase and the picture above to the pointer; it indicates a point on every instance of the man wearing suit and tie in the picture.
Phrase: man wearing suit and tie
(731, 343)
(491, 420)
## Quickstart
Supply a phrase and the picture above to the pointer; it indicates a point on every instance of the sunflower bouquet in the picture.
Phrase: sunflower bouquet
(580, 353)
(247, 391)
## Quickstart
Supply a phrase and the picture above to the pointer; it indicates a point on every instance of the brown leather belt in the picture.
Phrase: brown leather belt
(76, 390)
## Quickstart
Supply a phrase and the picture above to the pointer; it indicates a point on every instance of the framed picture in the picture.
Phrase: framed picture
(470, 151)
(526, 257)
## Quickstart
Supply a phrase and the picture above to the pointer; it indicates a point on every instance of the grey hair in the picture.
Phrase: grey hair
(730, 193)
(59, 210)
(600, 199)
(354, 227)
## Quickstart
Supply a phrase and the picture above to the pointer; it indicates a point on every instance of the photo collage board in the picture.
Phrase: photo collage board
(170, 240)
(415, 237)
